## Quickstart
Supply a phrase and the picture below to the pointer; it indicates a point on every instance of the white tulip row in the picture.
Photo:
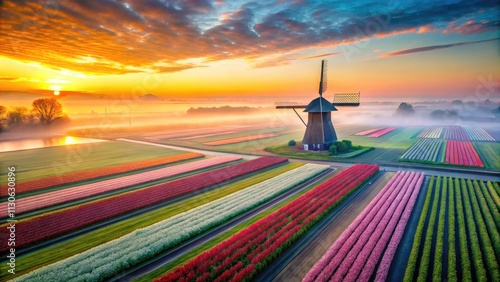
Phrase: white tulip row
(108, 259)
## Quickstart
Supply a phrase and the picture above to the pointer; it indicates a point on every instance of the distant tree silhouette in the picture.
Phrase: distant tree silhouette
(3, 112)
(457, 103)
(405, 109)
(17, 116)
(47, 109)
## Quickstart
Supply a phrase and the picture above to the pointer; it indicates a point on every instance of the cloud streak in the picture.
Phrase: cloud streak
(105, 37)
(433, 47)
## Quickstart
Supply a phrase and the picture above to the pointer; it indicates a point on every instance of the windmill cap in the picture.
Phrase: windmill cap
(320, 105)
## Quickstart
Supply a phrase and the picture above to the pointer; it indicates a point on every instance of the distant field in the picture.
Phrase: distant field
(46, 162)
(490, 153)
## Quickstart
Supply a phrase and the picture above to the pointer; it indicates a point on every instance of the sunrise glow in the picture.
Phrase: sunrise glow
(240, 48)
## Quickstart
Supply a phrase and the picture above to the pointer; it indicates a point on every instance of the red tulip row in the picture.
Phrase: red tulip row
(249, 251)
(379, 133)
(38, 184)
(240, 139)
(462, 153)
(455, 132)
(354, 256)
(368, 131)
(57, 223)
(92, 189)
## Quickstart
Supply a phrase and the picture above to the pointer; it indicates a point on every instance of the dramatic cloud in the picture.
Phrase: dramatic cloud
(431, 48)
(106, 37)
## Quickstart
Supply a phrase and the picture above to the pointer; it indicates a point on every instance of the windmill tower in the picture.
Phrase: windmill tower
(320, 133)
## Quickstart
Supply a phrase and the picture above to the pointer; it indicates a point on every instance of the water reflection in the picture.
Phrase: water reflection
(25, 144)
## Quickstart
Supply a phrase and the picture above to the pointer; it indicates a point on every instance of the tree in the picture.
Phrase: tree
(332, 149)
(457, 103)
(348, 143)
(341, 146)
(437, 114)
(405, 109)
(292, 143)
(17, 116)
(3, 111)
(48, 110)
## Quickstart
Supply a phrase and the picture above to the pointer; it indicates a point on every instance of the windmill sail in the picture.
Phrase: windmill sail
(324, 79)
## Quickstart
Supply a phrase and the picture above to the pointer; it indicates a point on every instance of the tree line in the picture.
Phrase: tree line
(43, 112)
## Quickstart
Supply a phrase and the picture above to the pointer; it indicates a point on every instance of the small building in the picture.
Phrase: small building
(320, 134)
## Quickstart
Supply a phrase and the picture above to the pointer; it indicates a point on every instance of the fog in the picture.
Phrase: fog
(112, 118)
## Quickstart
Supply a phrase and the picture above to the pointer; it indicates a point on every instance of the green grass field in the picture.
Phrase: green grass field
(51, 161)
(82, 243)
(489, 153)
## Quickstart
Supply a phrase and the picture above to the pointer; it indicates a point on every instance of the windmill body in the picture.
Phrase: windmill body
(320, 133)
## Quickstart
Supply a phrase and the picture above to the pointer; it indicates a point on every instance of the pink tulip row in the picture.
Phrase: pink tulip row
(462, 153)
(455, 132)
(382, 132)
(354, 256)
(87, 190)
(368, 131)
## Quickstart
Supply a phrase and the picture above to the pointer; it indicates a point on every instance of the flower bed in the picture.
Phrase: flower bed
(462, 153)
(455, 132)
(431, 132)
(244, 254)
(43, 183)
(382, 132)
(424, 150)
(355, 254)
(53, 224)
(87, 190)
(140, 245)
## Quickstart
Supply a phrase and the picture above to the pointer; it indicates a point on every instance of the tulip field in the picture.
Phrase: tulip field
(87, 190)
(243, 255)
(462, 153)
(457, 237)
(42, 183)
(191, 208)
(375, 132)
(373, 237)
(431, 132)
(478, 134)
(52, 224)
(430, 150)
(145, 243)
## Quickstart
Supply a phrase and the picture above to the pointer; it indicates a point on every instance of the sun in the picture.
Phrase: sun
(56, 93)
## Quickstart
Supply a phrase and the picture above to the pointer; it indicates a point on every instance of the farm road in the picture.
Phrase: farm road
(428, 170)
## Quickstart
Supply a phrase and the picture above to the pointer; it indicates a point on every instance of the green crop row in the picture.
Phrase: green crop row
(452, 253)
(462, 234)
(426, 256)
(438, 253)
(474, 240)
(491, 204)
(486, 244)
(493, 189)
(413, 259)
(488, 215)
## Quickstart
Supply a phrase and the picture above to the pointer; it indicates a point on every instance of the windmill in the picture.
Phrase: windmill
(320, 133)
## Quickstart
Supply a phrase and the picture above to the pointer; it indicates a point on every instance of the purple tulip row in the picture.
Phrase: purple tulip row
(354, 256)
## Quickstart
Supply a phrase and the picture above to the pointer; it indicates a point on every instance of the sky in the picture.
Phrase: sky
(240, 48)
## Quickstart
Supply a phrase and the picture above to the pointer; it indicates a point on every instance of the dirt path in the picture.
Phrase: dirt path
(305, 260)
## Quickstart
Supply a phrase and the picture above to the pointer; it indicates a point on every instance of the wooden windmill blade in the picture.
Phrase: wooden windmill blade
(346, 99)
(323, 83)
